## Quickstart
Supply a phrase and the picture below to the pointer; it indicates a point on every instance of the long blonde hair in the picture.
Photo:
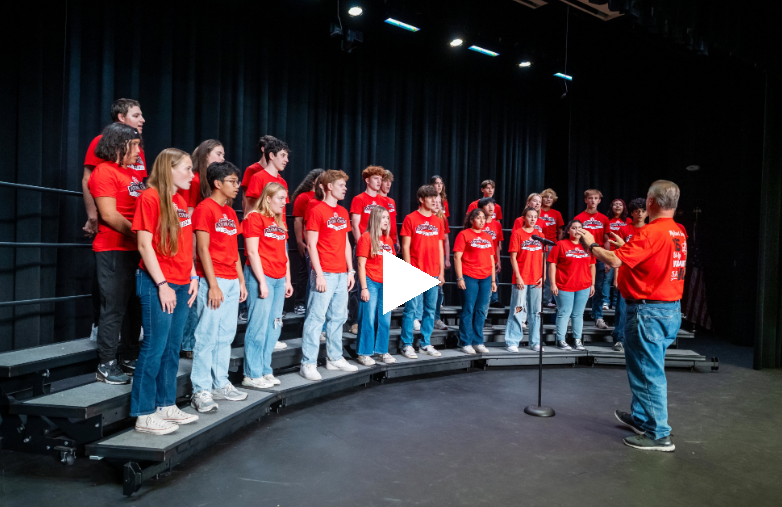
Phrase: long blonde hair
(162, 180)
(374, 230)
(262, 206)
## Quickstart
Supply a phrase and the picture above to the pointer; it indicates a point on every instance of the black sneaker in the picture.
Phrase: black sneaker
(645, 443)
(128, 366)
(186, 354)
(497, 304)
(627, 420)
(110, 373)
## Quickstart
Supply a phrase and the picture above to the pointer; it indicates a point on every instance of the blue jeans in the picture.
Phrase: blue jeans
(215, 332)
(370, 313)
(597, 299)
(649, 331)
(419, 309)
(609, 293)
(427, 300)
(188, 335)
(525, 304)
(154, 382)
(329, 308)
(570, 305)
(474, 297)
(619, 320)
(495, 296)
(264, 324)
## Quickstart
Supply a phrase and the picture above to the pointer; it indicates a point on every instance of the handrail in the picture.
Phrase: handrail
(42, 245)
(40, 301)
(39, 189)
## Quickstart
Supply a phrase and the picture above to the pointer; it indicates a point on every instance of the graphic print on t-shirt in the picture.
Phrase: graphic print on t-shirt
(593, 224)
(576, 253)
(226, 226)
(426, 229)
(679, 255)
(532, 245)
(136, 187)
(336, 222)
(480, 243)
(274, 231)
(184, 218)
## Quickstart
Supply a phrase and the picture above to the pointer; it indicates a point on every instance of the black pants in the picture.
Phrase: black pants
(353, 295)
(300, 281)
(95, 294)
(120, 307)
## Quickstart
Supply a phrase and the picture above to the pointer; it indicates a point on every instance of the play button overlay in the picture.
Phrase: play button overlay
(402, 282)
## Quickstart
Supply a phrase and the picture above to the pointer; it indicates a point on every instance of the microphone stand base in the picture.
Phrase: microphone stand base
(537, 411)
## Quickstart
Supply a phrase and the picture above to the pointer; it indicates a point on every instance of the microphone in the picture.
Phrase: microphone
(544, 241)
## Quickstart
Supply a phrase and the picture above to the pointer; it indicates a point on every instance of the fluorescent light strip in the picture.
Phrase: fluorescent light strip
(405, 26)
(483, 51)
(564, 76)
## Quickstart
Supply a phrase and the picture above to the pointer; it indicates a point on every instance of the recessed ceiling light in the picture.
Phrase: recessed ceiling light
(356, 11)
(525, 64)
(456, 42)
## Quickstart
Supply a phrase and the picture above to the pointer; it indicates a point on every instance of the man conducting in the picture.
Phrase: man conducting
(651, 279)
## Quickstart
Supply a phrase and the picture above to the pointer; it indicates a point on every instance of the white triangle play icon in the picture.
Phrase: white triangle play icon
(402, 282)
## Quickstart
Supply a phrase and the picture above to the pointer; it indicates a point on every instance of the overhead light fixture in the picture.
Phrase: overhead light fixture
(564, 76)
(525, 64)
(456, 42)
(356, 11)
(405, 26)
(483, 51)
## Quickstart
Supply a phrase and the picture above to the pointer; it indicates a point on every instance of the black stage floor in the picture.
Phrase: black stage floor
(463, 439)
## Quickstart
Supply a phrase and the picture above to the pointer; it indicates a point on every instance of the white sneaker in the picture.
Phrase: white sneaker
(429, 349)
(229, 392)
(512, 348)
(579, 345)
(467, 349)
(536, 348)
(94, 337)
(524, 325)
(386, 358)
(174, 415)
(271, 378)
(280, 345)
(605, 307)
(409, 353)
(601, 324)
(365, 360)
(439, 324)
(310, 372)
(416, 325)
(323, 336)
(257, 383)
(340, 364)
(563, 346)
(155, 425)
(481, 348)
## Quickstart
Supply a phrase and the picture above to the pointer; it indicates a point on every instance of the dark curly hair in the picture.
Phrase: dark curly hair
(637, 203)
(113, 144)
(472, 215)
(307, 184)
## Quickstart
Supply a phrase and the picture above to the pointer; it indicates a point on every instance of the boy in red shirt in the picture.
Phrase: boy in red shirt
(332, 261)
(385, 189)
(422, 246)
(597, 225)
(553, 219)
(254, 168)
(221, 289)
(487, 189)
(276, 153)
(493, 229)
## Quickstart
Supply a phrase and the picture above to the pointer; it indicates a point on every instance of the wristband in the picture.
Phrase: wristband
(352, 272)
(459, 279)
(161, 283)
(592, 246)
(193, 278)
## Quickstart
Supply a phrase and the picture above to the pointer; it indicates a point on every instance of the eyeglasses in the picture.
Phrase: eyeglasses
(232, 182)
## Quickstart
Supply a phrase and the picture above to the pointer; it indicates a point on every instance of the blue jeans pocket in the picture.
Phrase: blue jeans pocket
(660, 323)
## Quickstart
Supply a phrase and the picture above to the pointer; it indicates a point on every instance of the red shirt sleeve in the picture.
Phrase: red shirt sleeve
(553, 255)
(364, 246)
(500, 236)
(103, 183)
(203, 219)
(515, 242)
(407, 227)
(147, 214)
(560, 222)
(459, 243)
(498, 212)
(251, 226)
(357, 205)
(313, 221)
(91, 159)
(300, 204)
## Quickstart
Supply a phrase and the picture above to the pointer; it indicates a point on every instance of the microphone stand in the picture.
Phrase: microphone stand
(539, 410)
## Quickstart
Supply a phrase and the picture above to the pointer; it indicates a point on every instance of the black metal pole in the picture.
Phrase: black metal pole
(540, 410)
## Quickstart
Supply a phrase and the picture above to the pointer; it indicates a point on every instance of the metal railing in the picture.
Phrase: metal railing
(39, 189)
(40, 301)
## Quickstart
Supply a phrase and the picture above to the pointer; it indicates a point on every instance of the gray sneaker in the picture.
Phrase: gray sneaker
(646, 443)
(439, 324)
(563, 346)
(619, 347)
(627, 420)
(110, 373)
(579, 345)
(601, 324)
(229, 392)
(203, 402)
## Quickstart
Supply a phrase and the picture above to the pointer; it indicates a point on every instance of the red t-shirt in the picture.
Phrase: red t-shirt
(300, 204)
(248, 175)
(629, 231)
(363, 204)
(272, 243)
(91, 159)
(494, 230)
(497, 210)
(259, 181)
(596, 223)
(374, 265)
(653, 262)
(529, 256)
(310, 206)
(553, 220)
(176, 268)
(477, 249)
(332, 225)
(425, 234)
(192, 195)
(223, 227)
(573, 273)
(445, 209)
(125, 185)
(615, 225)
(446, 227)
(392, 217)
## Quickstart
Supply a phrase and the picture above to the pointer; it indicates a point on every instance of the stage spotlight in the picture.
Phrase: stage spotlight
(483, 51)
(525, 64)
(456, 43)
(564, 76)
(404, 26)
(356, 11)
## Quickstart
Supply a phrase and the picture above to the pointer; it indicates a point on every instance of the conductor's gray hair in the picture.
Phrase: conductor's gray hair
(665, 193)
